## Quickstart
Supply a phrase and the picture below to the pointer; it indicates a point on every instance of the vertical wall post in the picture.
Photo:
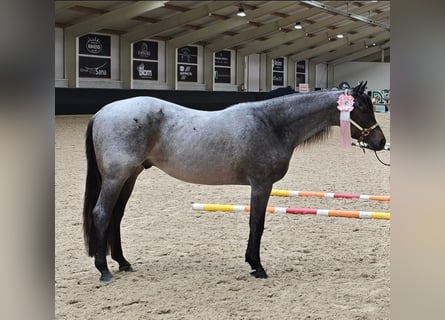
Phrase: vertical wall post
(171, 66)
(265, 73)
(311, 74)
(331, 83)
(209, 70)
(70, 61)
(125, 63)
(291, 72)
(240, 70)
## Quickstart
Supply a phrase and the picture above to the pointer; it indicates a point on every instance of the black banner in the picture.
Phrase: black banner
(187, 73)
(301, 66)
(90, 67)
(278, 64)
(222, 58)
(145, 70)
(222, 75)
(301, 78)
(188, 54)
(278, 79)
(147, 50)
(95, 44)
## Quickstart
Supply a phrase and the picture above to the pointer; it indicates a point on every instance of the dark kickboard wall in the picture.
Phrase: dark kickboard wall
(69, 101)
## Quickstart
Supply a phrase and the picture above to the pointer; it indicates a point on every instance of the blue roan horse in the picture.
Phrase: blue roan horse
(247, 144)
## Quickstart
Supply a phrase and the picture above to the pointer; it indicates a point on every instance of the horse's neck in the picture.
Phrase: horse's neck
(303, 115)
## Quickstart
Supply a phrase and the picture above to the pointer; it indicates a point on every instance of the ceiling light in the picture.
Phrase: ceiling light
(298, 26)
(241, 12)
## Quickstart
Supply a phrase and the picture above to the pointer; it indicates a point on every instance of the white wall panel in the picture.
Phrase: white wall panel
(376, 73)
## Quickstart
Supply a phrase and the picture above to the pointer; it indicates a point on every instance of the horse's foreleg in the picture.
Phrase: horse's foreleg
(258, 203)
(102, 214)
(114, 229)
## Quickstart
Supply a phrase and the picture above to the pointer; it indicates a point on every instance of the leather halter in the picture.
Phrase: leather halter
(364, 131)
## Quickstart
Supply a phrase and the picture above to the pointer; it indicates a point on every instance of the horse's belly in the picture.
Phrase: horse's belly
(203, 175)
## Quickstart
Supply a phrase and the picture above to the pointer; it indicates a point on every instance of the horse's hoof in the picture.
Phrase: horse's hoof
(106, 278)
(126, 268)
(259, 274)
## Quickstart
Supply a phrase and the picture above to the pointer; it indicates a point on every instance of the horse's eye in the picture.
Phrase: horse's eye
(362, 105)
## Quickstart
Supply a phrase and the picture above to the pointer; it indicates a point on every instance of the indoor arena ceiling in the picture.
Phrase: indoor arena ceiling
(267, 27)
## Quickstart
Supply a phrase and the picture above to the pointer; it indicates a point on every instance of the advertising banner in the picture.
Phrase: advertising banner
(222, 75)
(278, 78)
(278, 64)
(145, 70)
(187, 73)
(147, 50)
(95, 44)
(301, 66)
(92, 67)
(188, 54)
(222, 58)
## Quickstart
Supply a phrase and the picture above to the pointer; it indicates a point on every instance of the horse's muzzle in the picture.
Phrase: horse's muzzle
(375, 140)
(372, 136)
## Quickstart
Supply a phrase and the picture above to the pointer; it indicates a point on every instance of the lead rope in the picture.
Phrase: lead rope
(365, 132)
(386, 164)
(363, 146)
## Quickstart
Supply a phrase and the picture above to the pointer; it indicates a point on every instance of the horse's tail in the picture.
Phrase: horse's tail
(92, 189)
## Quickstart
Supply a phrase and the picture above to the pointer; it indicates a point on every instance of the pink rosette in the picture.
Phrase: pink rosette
(345, 104)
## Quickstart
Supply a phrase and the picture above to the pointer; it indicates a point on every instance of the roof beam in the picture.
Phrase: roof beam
(108, 19)
(377, 56)
(352, 15)
(147, 31)
(260, 31)
(360, 54)
(332, 45)
(60, 6)
(321, 25)
(316, 40)
(228, 24)
(344, 51)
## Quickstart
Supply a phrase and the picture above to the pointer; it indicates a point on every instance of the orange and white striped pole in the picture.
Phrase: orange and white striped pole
(290, 210)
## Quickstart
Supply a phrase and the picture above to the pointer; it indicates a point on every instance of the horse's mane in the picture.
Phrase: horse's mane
(285, 97)
(320, 136)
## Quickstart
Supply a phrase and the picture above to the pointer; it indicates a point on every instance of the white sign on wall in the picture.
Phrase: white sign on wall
(303, 87)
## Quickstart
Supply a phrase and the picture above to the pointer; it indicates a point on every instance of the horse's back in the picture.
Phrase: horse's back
(130, 107)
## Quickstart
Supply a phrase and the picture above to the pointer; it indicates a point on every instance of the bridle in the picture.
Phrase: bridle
(364, 131)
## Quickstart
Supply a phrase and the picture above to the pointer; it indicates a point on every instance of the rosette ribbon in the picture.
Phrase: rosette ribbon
(345, 104)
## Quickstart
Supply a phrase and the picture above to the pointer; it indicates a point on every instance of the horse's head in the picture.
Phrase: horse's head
(364, 126)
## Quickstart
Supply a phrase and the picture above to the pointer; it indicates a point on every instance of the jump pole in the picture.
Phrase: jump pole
(296, 193)
(290, 210)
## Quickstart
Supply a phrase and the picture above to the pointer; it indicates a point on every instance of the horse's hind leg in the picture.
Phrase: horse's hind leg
(114, 229)
(102, 214)
(258, 204)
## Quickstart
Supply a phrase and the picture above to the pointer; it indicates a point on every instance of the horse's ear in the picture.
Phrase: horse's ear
(360, 88)
(363, 87)
(357, 89)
